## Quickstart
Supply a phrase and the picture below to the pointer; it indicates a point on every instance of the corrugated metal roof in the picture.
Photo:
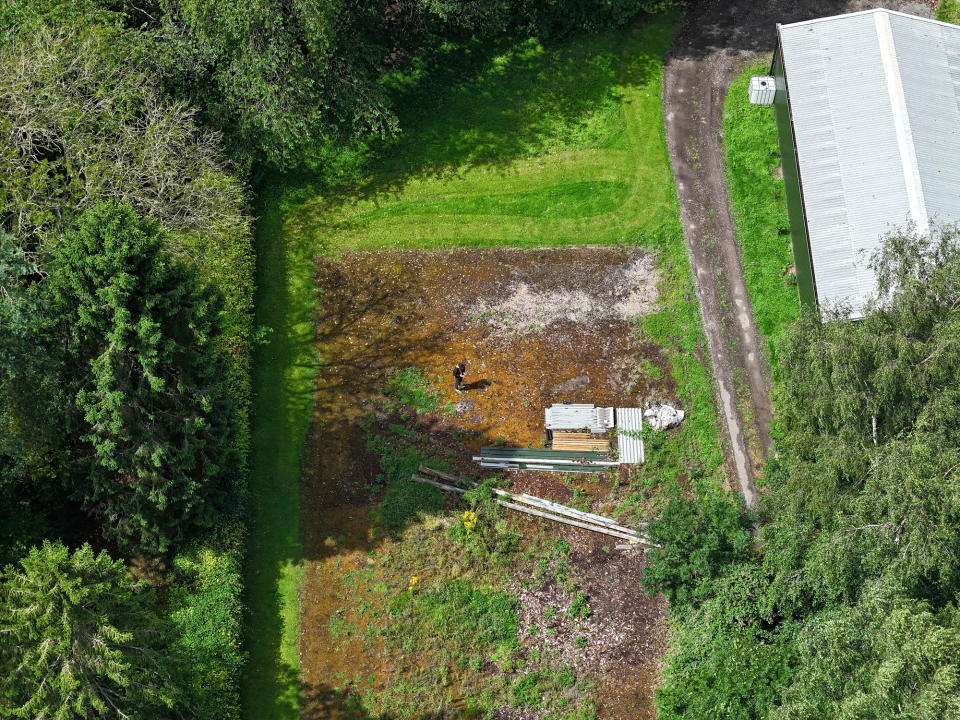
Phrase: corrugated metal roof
(875, 101)
(572, 416)
(630, 420)
(542, 459)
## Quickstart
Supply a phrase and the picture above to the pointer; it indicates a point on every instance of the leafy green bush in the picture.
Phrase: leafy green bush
(948, 11)
(409, 387)
(206, 608)
(404, 501)
(699, 539)
(721, 670)
(557, 690)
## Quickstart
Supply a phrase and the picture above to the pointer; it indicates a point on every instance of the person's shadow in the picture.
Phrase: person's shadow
(476, 385)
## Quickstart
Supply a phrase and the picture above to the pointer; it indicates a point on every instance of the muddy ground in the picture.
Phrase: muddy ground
(533, 327)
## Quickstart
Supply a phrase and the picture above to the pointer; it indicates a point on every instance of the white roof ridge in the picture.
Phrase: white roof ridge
(872, 11)
(901, 123)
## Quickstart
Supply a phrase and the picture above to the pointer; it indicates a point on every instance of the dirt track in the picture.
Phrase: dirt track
(716, 39)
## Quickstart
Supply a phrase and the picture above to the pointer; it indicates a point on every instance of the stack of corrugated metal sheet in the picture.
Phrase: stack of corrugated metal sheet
(573, 416)
(629, 435)
(506, 458)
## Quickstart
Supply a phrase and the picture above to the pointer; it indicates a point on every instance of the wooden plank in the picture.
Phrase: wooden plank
(540, 502)
(603, 530)
(588, 445)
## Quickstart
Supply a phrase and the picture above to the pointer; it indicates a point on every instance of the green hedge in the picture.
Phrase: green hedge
(206, 608)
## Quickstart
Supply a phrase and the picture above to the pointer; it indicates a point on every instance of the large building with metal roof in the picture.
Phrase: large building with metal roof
(868, 117)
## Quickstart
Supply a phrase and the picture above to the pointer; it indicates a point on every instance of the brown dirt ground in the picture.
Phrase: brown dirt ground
(384, 310)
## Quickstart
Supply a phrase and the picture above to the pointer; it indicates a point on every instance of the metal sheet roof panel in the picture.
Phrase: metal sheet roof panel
(874, 101)
(629, 420)
(929, 59)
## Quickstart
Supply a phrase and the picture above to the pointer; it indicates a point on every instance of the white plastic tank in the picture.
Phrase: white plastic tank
(763, 88)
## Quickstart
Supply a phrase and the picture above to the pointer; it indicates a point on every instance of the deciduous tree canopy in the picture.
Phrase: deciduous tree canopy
(852, 603)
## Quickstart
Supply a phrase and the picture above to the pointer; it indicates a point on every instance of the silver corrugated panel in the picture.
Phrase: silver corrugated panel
(577, 417)
(569, 416)
(631, 448)
(929, 58)
(875, 110)
(604, 418)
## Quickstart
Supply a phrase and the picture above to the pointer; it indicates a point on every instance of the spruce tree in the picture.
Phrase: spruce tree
(78, 640)
(151, 392)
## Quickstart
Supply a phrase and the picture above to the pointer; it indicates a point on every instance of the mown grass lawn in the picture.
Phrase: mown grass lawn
(759, 208)
(529, 146)
(521, 145)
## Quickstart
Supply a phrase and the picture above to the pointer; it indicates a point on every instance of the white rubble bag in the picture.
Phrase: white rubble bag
(663, 417)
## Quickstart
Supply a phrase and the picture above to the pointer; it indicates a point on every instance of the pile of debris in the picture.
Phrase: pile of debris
(539, 507)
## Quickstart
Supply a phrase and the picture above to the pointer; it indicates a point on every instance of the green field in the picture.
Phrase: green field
(528, 145)
(759, 208)
(520, 145)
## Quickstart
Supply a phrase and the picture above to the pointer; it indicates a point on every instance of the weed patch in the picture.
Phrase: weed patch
(757, 195)
(948, 11)
(409, 387)
(482, 620)
(404, 501)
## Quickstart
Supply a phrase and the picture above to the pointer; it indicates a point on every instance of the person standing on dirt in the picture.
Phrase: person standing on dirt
(458, 372)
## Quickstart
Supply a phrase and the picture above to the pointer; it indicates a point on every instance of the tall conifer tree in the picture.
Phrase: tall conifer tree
(78, 640)
(151, 391)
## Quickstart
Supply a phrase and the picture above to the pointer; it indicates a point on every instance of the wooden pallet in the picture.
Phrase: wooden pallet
(579, 441)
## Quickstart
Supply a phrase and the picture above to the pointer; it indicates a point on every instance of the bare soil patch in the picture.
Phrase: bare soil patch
(385, 310)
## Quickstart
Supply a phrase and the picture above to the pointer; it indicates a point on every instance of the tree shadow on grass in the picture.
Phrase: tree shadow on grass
(364, 325)
(279, 419)
(489, 104)
(322, 702)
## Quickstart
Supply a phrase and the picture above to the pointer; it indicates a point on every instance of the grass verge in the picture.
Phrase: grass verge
(533, 146)
(283, 400)
(758, 199)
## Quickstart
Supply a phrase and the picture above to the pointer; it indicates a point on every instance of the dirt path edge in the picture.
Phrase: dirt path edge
(693, 111)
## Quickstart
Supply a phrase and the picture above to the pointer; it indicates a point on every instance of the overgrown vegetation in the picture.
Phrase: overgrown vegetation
(948, 11)
(757, 196)
(206, 609)
(408, 386)
(848, 608)
(559, 122)
(125, 329)
(124, 421)
(441, 594)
